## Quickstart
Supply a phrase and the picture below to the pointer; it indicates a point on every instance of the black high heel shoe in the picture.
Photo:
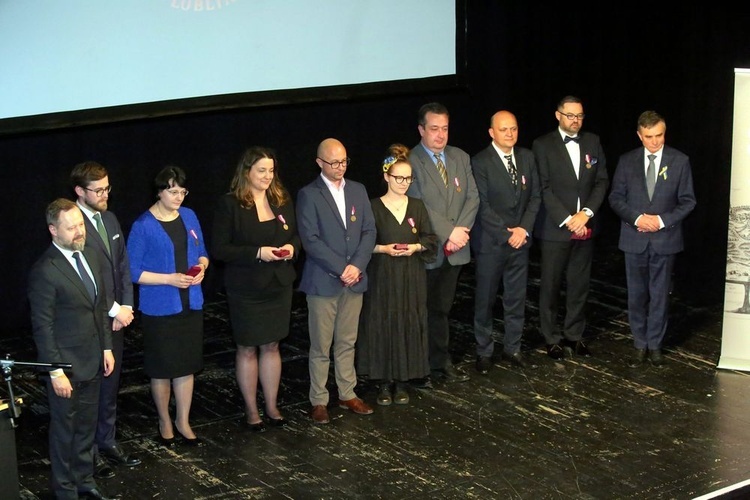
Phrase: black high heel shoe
(277, 422)
(167, 442)
(256, 427)
(195, 442)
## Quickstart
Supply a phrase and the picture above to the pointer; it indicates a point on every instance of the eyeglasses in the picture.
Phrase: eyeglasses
(177, 192)
(400, 179)
(336, 164)
(571, 116)
(100, 192)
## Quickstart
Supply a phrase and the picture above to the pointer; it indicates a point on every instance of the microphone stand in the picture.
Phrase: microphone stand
(7, 365)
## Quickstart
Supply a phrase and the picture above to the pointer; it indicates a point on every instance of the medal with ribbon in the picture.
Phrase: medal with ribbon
(281, 218)
(353, 217)
(194, 235)
(410, 220)
(458, 187)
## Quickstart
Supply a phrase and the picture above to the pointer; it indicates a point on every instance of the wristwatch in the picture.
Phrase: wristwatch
(588, 212)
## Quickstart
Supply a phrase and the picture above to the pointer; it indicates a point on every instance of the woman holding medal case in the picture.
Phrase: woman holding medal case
(255, 235)
(392, 346)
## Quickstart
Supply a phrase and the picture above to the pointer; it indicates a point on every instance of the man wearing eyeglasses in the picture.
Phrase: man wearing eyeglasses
(509, 200)
(337, 229)
(104, 236)
(574, 181)
(444, 182)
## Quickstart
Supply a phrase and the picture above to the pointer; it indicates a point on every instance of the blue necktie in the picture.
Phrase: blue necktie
(87, 281)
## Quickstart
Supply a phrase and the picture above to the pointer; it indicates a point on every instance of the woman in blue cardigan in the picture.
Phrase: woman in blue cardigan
(168, 260)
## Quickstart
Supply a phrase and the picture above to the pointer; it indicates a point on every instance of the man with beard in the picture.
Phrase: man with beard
(90, 182)
(70, 325)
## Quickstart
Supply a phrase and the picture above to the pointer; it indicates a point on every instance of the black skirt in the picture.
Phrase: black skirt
(173, 345)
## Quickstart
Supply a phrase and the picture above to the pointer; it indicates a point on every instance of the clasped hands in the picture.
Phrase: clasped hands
(458, 239)
(351, 275)
(577, 223)
(648, 223)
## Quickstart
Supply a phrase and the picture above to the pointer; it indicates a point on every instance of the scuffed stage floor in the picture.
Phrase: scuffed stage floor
(583, 428)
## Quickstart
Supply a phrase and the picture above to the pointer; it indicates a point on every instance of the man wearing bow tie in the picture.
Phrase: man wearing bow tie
(573, 178)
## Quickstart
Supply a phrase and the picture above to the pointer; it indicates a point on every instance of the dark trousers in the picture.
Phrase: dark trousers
(510, 267)
(105, 427)
(649, 278)
(71, 438)
(441, 290)
(570, 260)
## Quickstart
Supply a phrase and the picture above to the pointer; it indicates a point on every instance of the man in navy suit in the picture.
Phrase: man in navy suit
(70, 325)
(90, 182)
(337, 229)
(444, 182)
(574, 181)
(509, 199)
(652, 193)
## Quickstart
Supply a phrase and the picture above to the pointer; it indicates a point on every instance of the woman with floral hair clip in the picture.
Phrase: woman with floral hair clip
(392, 343)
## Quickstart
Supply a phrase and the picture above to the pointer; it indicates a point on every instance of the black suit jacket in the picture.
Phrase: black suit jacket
(67, 326)
(115, 264)
(501, 205)
(560, 187)
(237, 246)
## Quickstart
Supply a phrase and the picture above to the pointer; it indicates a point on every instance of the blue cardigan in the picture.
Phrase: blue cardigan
(151, 249)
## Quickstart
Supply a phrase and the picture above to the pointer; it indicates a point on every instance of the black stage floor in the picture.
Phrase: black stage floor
(583, 428)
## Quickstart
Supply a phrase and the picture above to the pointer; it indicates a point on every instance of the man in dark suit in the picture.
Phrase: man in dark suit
(444, 182)
(509, 199)
(574, 181)
(90, 182)
(70, 325)
(337, 229)
(652, 193)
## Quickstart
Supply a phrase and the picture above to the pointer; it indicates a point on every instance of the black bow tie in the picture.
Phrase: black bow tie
(574, 139)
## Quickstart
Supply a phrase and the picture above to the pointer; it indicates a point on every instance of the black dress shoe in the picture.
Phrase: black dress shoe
(116, 456)
(656, 357)
(555, 351)
(102, 470)
(95, 493)
(166, 442)
(450, 375)
(385, 397)
(483, 364)
(519, 360)
(575, 347)
(639, 356)
(422, 383)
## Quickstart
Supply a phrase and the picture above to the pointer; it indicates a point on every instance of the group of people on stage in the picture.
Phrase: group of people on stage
(379, 274)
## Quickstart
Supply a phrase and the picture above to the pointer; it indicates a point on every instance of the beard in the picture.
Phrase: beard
(77, 245)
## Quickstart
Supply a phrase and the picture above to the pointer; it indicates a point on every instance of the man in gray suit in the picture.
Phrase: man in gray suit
(444, 182)
(337, 229)
(509, 200)
(652, 193)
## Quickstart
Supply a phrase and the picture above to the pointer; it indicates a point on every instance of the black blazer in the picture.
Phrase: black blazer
(116, 266)
(236, 246)
(560, 186)
(67, 327)
(501, 205)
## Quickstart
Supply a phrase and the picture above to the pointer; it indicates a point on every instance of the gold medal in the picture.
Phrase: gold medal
(354, 218)
(414, 230)
(458, 189)
(286, 228)
(588, 165)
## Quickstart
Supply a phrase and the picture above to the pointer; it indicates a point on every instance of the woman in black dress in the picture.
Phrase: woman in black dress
(392, 342)
(168, 260)
(255, 235)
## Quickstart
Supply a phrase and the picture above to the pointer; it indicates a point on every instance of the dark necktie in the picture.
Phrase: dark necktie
(102, 231)
(651, 176)
(574, 139)
(87, 282)
(512, 170)
(441, 169)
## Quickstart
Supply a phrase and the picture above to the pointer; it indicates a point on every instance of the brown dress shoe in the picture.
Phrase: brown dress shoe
(319, 414)
(356, 405)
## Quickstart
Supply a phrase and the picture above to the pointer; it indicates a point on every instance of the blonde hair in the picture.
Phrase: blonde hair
(396, 153)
